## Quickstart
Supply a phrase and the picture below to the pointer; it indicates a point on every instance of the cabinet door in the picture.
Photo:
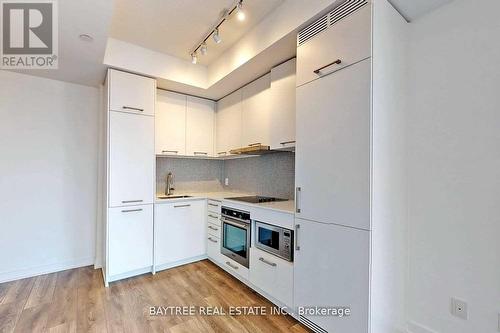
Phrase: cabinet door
(282, 102)
(200, 125)
(256, 112)
(273, 275)
(180, 231)
(228, 124)
(170, 124)
(130, 239)
(333, 148)
(331, 269)
(132, 93)
(131, 159)
(349, 41)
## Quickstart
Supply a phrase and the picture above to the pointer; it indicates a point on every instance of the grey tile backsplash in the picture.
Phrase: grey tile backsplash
(270, 175)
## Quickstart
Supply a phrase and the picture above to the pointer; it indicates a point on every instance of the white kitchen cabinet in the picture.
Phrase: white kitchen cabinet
(180, 232)
(345, 43)
(332, 265)
(272, 275)
(256, 112)
(131, 93)
(228, 124)
(333, 124)
(130, 239)
(200, 123)
(170, 124)
(131, 159)
(282, 106)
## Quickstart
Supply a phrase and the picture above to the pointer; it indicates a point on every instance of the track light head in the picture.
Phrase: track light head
(194, 58)
(240, 13)
(203, 49)
(216, 36)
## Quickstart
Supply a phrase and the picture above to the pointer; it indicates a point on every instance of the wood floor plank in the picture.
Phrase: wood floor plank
(77, 301)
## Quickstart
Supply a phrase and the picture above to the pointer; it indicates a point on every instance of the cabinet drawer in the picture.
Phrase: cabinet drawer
(130, 239)
(348, 40)
(213, 230)
(132, 93)
(214, 219)
(272, 274)
(213, 249)
(214, 206)
(233, 267)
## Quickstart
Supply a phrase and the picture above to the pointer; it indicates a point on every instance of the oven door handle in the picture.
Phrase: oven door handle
(235, 223)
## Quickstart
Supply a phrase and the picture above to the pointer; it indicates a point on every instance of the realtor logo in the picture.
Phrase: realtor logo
(29, 37)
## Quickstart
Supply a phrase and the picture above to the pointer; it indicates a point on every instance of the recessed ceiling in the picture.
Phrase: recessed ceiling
(175, 26)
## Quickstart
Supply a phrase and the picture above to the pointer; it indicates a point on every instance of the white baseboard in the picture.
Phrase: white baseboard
(44, 269)
(414, 327)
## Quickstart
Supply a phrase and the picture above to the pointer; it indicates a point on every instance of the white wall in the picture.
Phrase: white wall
(48, 175)
(389, 201)
(454, 168)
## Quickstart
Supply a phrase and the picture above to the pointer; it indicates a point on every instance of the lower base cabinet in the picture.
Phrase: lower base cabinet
(331, 269)
(272, 275)
(180, 232)
(130, 239)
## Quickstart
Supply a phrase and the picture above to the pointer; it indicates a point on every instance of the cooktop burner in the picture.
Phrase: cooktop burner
(256, 199)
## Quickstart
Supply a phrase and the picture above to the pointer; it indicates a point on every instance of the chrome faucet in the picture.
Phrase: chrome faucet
(170, 183)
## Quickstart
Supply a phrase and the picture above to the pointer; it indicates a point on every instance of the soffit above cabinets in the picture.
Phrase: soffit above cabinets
(174, 27)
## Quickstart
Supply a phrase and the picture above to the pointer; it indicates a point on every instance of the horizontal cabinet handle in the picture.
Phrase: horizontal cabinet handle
(222, 153)
(182, 206)
(213, 216)
(213, 205)
(336, 62)
(132, 108)
(212, 240)
(131, 201)
(232, 266)
(267, 262)
(169, 151)
(210, 227)
(131, 210)
(200, 153)
(287, 142)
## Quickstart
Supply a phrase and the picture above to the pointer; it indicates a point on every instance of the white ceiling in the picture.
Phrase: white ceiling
(175, 26)
(413, 9)
(170, 26)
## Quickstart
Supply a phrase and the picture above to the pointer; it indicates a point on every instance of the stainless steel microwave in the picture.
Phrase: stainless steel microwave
(275, 240)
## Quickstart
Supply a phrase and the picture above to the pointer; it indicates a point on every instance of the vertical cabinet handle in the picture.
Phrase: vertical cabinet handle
(297, 246)
(297, 192)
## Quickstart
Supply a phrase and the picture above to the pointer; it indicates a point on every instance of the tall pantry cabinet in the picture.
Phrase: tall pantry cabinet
(130, 169)
(349, 88)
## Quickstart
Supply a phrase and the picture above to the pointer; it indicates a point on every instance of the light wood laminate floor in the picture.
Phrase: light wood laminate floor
(77, 301)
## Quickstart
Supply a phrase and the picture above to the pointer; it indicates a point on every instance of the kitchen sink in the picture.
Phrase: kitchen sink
(174, 196)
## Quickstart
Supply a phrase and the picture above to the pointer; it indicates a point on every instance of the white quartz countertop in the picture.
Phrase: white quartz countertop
(282, 206)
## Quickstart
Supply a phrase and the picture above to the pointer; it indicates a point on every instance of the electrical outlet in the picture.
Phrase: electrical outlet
(226, 181)
(459, 308)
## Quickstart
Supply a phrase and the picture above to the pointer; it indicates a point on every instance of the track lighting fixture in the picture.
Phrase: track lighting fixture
(216, 36)
(214, 32)
(203, 49)
(240, 14)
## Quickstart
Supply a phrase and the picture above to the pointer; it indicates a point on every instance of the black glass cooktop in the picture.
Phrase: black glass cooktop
(256, 199)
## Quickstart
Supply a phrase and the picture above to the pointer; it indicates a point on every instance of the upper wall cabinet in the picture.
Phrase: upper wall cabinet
(228, 120)
(256, 112)
(282, 106)
(132, 93)
(170, 124)
(200, 123)
(347, 43)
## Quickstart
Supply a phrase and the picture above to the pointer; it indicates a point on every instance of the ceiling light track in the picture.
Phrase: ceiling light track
(214, 32)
